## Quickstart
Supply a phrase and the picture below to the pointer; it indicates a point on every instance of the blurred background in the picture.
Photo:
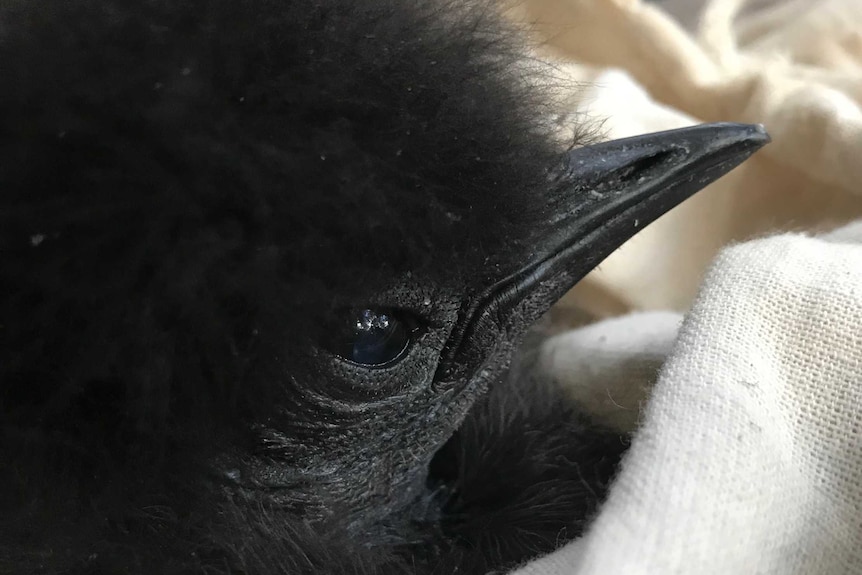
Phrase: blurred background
(638, 66)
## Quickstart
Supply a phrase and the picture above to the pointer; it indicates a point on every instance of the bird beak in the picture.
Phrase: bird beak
(604, 195)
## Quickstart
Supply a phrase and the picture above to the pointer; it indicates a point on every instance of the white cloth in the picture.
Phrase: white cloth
(793, 65)
(749, 455)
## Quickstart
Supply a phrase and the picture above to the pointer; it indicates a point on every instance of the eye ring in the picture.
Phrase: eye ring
(376, 337)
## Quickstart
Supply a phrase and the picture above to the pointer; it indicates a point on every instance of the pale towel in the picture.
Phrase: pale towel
(748, 457)
(796, 68)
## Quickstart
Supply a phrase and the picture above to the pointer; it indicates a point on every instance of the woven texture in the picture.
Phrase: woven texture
(749, 454)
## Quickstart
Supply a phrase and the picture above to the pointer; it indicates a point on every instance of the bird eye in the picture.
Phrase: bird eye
(376, 337)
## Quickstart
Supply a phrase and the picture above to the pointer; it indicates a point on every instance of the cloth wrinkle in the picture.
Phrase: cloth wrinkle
(728, 333)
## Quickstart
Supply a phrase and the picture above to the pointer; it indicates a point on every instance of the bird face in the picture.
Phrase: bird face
(272, 253)
(402, 359)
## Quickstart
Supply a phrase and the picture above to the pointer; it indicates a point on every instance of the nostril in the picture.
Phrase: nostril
(640, 167)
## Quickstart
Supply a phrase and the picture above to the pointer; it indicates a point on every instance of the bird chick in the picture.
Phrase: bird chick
(264, 266)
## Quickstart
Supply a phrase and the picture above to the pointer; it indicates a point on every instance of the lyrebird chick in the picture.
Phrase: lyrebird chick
(260, 259)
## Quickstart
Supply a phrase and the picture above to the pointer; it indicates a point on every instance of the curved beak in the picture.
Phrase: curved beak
(604, 195)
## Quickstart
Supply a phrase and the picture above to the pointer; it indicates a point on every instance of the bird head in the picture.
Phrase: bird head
(280, 249)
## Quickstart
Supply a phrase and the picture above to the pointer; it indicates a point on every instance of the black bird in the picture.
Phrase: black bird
(263, 265)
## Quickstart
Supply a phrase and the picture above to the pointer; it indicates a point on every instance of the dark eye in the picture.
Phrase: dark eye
(376, 337)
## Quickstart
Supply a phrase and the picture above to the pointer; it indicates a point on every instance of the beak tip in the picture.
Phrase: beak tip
(754, 135)
(759, 134)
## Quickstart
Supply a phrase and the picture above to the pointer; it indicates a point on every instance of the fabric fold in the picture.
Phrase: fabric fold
(748, 458)
(748, 451)
(794, 65)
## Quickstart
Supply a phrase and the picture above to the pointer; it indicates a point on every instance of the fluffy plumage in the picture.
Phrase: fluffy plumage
(190, 194)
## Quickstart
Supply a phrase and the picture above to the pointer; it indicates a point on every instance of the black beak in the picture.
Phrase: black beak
(603, 196)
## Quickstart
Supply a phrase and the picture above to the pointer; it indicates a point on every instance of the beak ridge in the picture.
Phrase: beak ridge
(603, 195)
(614, 189)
